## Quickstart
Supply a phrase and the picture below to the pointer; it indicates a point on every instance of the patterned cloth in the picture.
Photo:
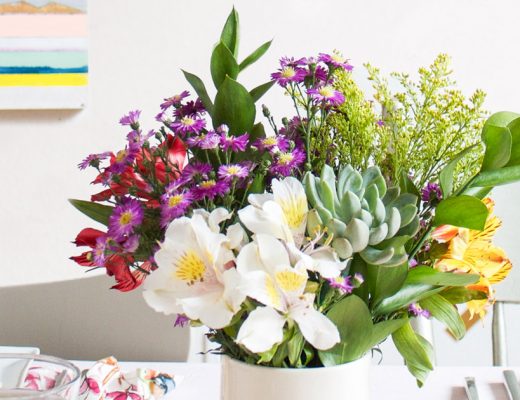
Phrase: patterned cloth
(105, 380)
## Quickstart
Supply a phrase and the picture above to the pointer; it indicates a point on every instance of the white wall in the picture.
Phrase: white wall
(136, 50)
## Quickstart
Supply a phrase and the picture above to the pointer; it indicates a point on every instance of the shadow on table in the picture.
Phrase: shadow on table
(458, 393)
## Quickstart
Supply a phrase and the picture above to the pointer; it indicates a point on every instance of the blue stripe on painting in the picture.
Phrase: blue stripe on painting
(43, 70)
(54, 59)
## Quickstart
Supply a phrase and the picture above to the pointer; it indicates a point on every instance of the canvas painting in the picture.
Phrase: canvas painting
(43, 54)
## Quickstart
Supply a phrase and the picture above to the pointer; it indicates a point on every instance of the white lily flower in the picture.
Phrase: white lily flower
(192, 277)
(322, 260)
(282, 214)
(269, 278)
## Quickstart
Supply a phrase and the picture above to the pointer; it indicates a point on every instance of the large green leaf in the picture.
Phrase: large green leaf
(460, 295)
(462, 211)
(442, 310)
(384, 281)
(260, 90)
(415, 352)
(222, 64)
(497, 177)
(98, 212)
(514, 128)
(407, 185)
(255, 55)
(200, 89)
(230, 35)
(430, 276)
(498, 142)
(384, 329)
(234, 107)
(409, 293)
(354, 322)
(446, 175)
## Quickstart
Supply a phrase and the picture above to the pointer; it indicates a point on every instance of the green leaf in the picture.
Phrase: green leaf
(384, 329)
(446, 175)
(442, 310)
(414, 351)
(230, 33)
(497, 177)
(430, 276)
(409, 293)
(295, 348)
(222, 64)
(514, 128)
(407, 185)
(460, 295)
(234, 107)
(462, 211)
(259, 91)
(421, 372)
(498, 142)
(255, 55)
(98, 212)
(200, 89)
(384, 281)
(354, 322)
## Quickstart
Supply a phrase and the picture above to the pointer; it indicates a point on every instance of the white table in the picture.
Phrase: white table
(202, 381)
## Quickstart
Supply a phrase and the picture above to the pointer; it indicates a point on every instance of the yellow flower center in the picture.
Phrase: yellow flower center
(208, 184)
(187, 121)
(190, 268)
(285, 158)
(121, 154)
(125, 218)
(175, 200)
(337, 57)
(288, 72)
(290, 281)
(326, 91)
(233, 170)
(294, 211)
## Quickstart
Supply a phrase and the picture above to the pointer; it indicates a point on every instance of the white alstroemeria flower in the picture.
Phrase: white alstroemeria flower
(322, 260)
(269, 278)
(282, 214)
(192, 277)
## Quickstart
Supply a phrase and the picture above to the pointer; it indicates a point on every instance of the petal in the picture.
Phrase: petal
(233, 295)
(267, 220)
(237, 236)
(261, 286)
(327, 263)
(162, 301)
(262, 329)
(272, 252)
(248, 260)
(211, 309)
(217, 216)
(315, 327)
(258, 200)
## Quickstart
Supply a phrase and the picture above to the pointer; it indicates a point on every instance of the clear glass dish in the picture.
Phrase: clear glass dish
(37, 377)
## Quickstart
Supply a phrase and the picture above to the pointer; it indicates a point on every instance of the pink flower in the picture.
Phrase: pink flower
(174, 205)
(327, 94)
(342, 283)
(210, 189)
(188, 124)
(174, 100)
(286, 162)
(289, 73)
(233, 171)
(336, 60)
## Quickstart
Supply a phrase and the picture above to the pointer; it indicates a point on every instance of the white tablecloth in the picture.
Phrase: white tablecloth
(202, 381)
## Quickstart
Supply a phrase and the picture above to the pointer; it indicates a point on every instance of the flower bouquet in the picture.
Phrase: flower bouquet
(309, 243)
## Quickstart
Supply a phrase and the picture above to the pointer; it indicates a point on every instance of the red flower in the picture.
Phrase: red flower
(87, 237)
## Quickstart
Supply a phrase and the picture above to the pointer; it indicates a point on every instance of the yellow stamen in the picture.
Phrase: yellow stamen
(285, 158)
(269, 141)
(288, 72)
(121, 154)
(187, 121)
(326, 91)
(290, 281)
(233, 170)
(273, 294)
(175, 200)
(125, 218)
(190, 268)
(208, 184)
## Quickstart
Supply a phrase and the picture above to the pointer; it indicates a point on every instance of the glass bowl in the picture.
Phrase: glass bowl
(33, 376)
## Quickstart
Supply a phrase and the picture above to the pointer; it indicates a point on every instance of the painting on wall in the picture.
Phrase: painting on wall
(43, 54)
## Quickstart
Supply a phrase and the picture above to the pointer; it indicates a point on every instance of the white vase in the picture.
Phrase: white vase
(241, 381)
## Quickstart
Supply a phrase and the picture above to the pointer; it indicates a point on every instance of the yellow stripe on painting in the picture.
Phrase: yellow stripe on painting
(43, 79)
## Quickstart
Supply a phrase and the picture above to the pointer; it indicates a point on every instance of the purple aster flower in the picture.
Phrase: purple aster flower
(125, 218)
(174, 205)
(235, 143)
(162, 117)
(286, 162)
(206, 141)
(181, 321)
(137, 139)
(132, 119)
(123, 158)
(210, 189)
(174, 101)
(192, 171)
(233, 171)
(416, 310)
(358, 278)
(98, 253)
(288, 74)
(190, 109)
(93, 160)
(380, 122)
(327, 94)
(335, 59)
(342, 283)
(131, 243)
(272, 144)
(293, 62)
(188, 125)
(431, 192)
(320, 74)
(412, 263)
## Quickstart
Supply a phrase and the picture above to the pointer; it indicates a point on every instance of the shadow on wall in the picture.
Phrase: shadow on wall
(28, 116)
(84, 320)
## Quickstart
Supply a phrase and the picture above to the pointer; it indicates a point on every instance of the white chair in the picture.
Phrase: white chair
(85, 320)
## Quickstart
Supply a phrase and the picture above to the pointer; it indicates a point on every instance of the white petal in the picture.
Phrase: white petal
(233, 295)
(262, 329)
(217, 216)
(162, 301)
(315, 327)
(272, 252)
(203, 213)
(211, 309)
(237, 236)
(261, 286)
(258, 200)
(267, 220)
(327, 263)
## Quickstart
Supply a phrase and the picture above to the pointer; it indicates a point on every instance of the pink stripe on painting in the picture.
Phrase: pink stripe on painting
(47, 25)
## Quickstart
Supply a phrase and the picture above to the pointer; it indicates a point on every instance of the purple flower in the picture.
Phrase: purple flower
(132, 119)
(335, 59)
(93, 160)
(210, 189)
(192, 171)
(285, 162)
(288, 74)
(412, 263)
(122, 159)
(181, 321)
(235, 143)
(292, 62)
(98, 253)
(131, 243)
(320, 74)
(359, 278)
(137, 139)
(342, 283)
(327, 94)
(233, 171)
(190, 109)
(174, 101)
(208, 141)
(431, 192)
(272, 144)
(174, 205)
(188, 124)
(380, 122)
(161, 117)
(416, 310)
(125, 218)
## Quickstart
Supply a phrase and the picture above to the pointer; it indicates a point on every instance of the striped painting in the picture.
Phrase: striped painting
(43, 54)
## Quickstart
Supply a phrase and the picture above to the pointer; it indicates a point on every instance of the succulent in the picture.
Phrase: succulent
(358, 214)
